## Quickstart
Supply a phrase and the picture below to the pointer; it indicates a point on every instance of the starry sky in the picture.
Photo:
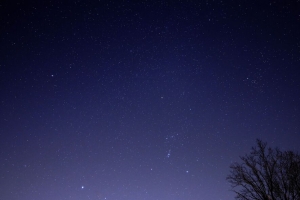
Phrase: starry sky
(142, 100)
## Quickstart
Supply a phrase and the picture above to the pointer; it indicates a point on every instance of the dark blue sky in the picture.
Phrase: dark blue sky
(142, 100)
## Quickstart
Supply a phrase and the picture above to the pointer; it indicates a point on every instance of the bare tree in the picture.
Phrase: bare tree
(266, 174)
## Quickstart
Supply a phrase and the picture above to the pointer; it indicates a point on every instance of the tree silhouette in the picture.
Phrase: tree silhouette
(266, 174)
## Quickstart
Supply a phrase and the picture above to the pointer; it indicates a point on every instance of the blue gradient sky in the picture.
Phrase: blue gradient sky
(142, 100)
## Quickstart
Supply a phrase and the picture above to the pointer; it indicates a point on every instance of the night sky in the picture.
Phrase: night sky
(142, 100)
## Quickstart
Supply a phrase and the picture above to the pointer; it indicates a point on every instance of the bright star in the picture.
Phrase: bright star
(82, 187)
(169, 154)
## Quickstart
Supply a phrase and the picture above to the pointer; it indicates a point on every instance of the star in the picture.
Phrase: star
(169, 154)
